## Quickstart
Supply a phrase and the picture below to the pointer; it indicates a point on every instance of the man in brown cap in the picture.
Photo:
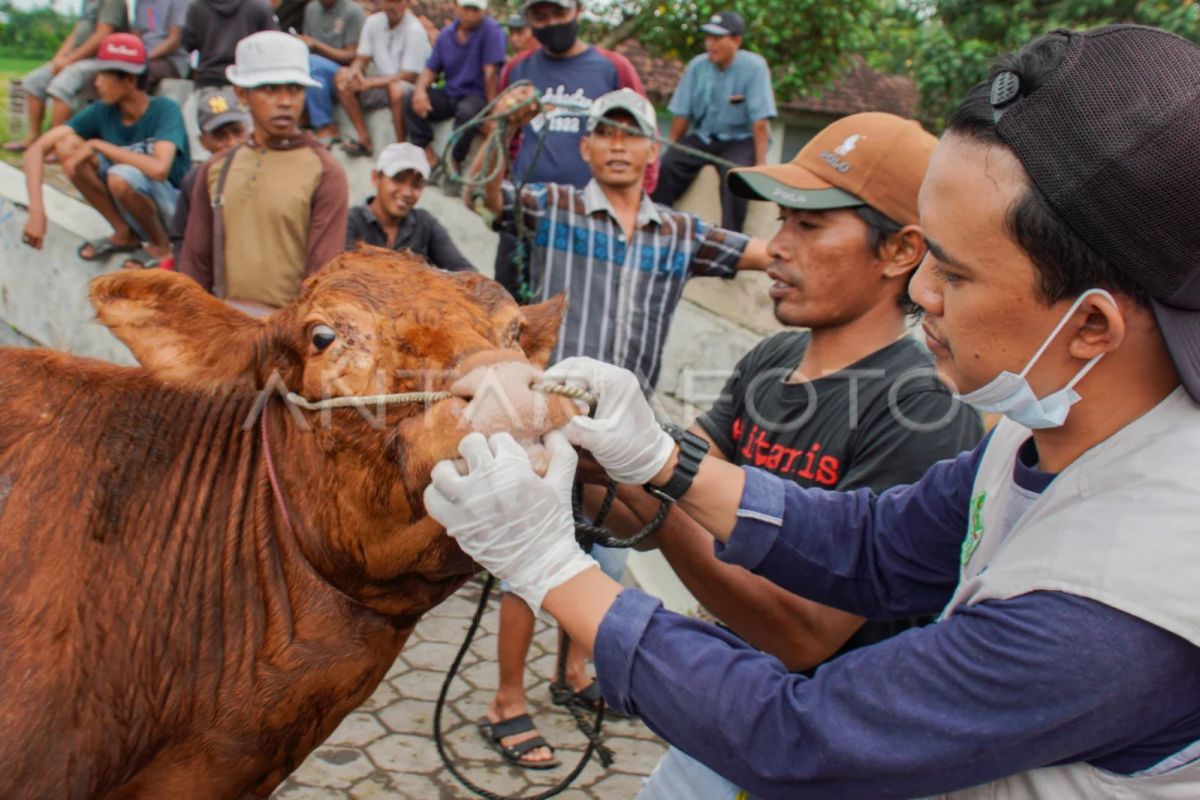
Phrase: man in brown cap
(1062, 290)
(845, 401)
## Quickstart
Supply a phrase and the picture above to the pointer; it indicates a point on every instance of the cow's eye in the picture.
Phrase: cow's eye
(322, 336)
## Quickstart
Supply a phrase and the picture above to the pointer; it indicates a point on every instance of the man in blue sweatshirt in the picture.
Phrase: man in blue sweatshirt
(1062, 290)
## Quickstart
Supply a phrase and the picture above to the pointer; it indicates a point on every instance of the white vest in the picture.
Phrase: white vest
(1121, 525)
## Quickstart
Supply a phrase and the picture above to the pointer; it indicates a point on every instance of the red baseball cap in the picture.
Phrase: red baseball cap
(122, 52)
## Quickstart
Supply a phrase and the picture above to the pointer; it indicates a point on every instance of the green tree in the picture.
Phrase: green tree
(947, 45)
(32, 34)
(806, 42)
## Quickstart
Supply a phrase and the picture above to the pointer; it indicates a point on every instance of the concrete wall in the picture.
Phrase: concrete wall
(43, 296)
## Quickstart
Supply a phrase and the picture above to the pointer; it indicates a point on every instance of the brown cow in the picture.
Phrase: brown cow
(171, 625)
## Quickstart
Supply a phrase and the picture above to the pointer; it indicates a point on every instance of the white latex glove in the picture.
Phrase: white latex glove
(624, 435)
(516, 525)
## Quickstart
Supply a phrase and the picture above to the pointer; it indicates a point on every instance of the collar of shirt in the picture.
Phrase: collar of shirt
(594, 199)
(405, 223)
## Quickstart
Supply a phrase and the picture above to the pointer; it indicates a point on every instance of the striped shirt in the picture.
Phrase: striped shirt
(621, 295)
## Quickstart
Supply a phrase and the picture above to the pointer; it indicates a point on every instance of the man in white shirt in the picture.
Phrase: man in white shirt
(396, 42)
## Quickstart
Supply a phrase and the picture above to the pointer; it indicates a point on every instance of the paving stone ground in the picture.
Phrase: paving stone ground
(385, 749)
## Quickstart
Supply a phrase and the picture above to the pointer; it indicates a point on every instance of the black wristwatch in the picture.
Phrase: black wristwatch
(692, 449)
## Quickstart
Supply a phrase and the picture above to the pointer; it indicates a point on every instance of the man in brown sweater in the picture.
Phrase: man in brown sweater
(282, 200)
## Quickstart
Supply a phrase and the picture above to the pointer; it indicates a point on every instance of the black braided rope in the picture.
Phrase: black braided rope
(587, 534)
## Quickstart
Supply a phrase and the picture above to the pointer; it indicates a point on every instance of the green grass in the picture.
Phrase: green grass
(12, 68)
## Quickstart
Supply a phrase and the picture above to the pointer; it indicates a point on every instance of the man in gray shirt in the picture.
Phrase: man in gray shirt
(722, 106)
(159, 24)
(331, 31)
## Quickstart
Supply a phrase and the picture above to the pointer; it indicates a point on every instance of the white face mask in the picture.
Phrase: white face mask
(1012, 396)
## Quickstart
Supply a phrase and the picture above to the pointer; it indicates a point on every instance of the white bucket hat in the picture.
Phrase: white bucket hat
(270, 57)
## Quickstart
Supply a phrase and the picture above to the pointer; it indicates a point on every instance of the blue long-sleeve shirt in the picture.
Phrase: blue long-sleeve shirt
(998, 688)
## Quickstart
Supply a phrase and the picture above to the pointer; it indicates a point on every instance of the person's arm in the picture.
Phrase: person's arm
(679, 128)
(996, 689)
(339, 55)
(155, 165)
(33, 164)
(443, 253)
(330, 208)
(760, 105)
(183, 207)
(755, 256)
(799, 632)
(491, 82)
(720, 253)
(168, 45)
(488, 160)
(495, 50)
(196, 255)
(762, 138)
(421, 104)
(89, 46)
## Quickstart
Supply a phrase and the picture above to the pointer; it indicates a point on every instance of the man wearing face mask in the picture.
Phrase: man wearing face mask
(1062, 289)
(569, 75)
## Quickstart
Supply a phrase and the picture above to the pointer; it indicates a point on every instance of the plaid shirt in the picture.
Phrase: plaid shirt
(621, 295)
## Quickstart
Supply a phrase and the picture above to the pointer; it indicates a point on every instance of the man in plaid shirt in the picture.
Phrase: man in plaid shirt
(622, 260)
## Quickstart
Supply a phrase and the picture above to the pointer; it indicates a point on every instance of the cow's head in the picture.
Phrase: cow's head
(371, 322)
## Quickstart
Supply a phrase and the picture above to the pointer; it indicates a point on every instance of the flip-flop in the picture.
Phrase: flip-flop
(15, 147)
(515, 753)
(329, 141)
(355, 149)
(143, 259)
(104, 247)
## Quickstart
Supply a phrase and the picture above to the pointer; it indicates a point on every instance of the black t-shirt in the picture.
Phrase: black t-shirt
(881, 422)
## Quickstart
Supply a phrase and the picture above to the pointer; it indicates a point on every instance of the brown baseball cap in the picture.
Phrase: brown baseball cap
(870, 159)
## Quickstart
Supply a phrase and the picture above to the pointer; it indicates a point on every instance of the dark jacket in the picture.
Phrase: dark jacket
(214, 27)
(419, 232)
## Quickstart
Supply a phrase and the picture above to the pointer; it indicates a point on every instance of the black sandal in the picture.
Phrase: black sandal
(356, 149)
(515, 753)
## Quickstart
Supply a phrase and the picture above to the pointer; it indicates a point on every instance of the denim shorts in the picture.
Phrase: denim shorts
(164, 195)
(67, 85)
(679, 775)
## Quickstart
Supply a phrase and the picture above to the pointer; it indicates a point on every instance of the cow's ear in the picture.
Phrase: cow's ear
(179, 332)
(540, 331)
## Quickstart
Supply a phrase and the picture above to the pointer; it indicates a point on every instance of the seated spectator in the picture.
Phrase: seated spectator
(398, 45)
(722, 106)
(391, 218)
(280, 205)
(214, 28)
(520, 36)
(223, 124)
(160, 25)
(331, 31)
(126, 154)
(70, 72)
(470, 51)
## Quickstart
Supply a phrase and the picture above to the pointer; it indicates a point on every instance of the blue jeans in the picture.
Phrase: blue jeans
(320, 101)
(164, 195)
(679, 775)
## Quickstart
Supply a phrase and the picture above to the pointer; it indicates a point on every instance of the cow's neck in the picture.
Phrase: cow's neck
(348, 512)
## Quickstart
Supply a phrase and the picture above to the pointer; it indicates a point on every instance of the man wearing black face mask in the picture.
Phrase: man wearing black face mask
(569, 74)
